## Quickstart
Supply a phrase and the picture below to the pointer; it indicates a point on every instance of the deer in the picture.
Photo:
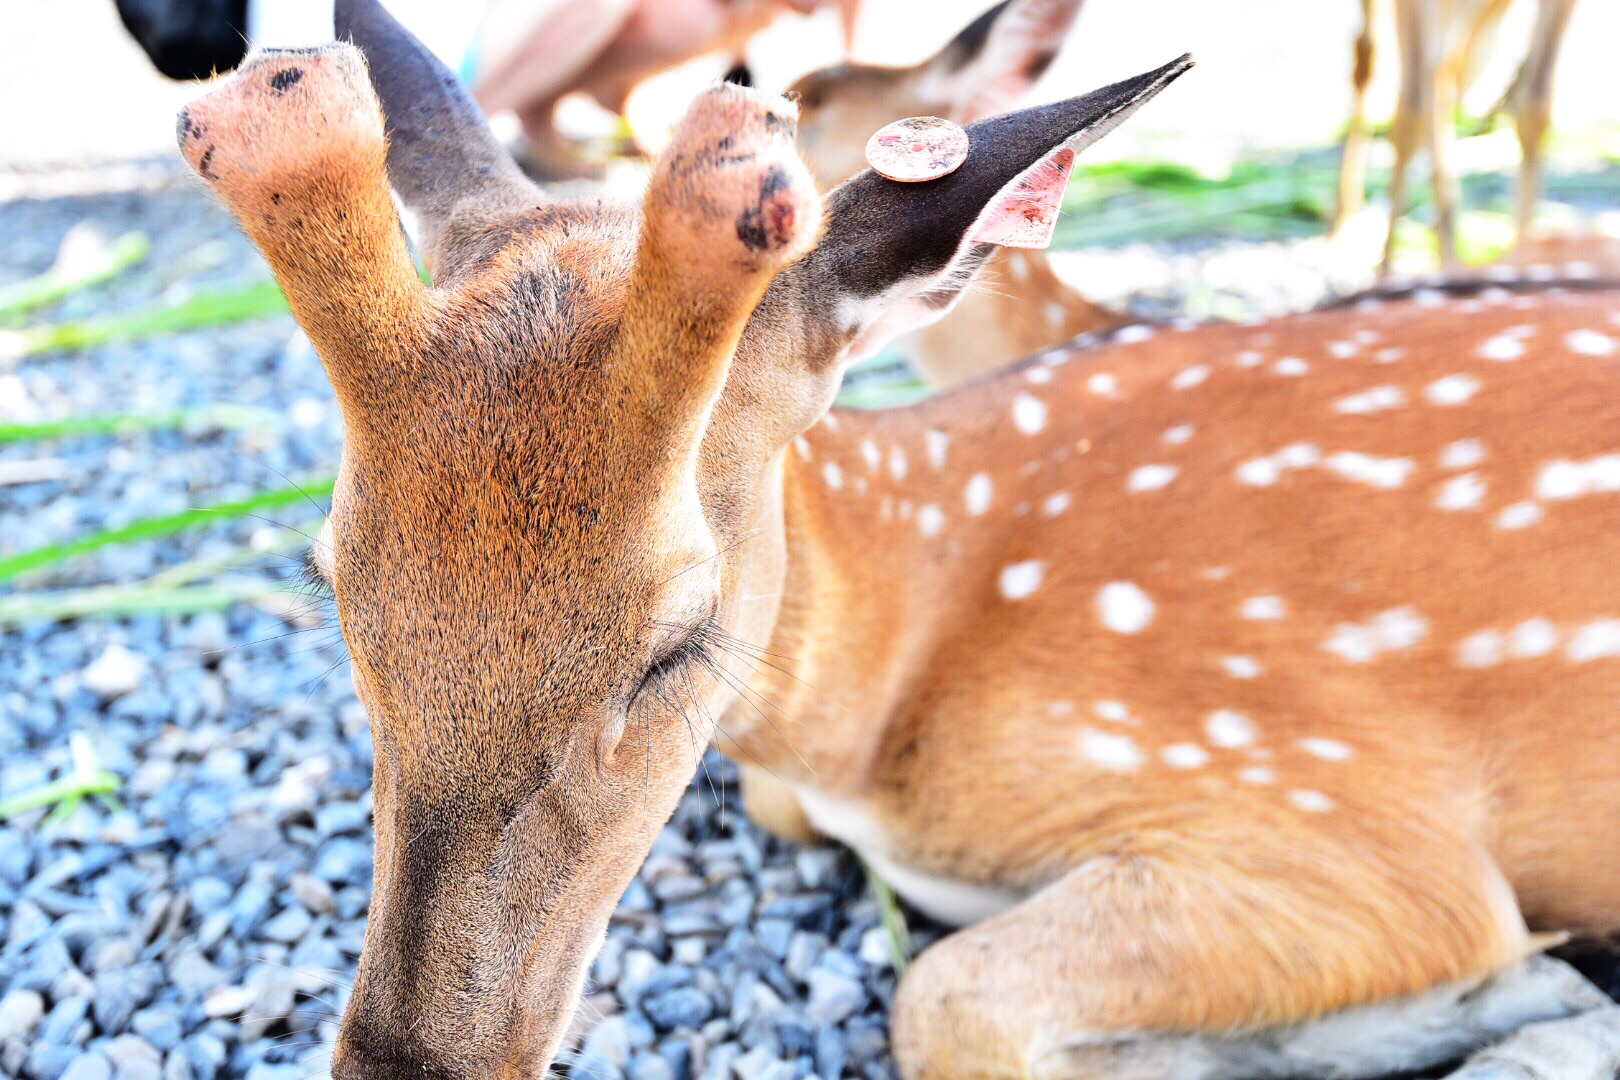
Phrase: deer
(1024, 305)
(1255, 719)
(1439, 41)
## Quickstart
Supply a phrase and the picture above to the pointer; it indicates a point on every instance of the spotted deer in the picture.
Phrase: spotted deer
(1439, 43)
(1246, 708)
(1021, 305)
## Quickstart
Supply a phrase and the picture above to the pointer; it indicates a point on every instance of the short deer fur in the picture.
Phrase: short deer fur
(1242, 690)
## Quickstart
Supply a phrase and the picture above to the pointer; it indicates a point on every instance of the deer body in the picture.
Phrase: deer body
(1240, 685)
(1096, 589)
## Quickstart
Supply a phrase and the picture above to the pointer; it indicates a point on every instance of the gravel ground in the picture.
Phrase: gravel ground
(210, 927)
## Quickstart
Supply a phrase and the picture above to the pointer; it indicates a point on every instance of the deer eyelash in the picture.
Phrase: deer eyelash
(698, 647)
(310, 575)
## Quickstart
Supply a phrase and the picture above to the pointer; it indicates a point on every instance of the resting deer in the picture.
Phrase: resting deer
(1242, 714)
(1023, 306)
(1438, 42)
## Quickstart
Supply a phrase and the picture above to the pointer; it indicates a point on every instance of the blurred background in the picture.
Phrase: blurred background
(184, 770)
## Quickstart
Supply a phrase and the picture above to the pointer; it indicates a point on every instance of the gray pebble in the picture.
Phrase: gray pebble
(20, 1013)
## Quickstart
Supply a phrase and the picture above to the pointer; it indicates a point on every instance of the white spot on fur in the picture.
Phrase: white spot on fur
(1260, 472)
(1373, 471)
(1229, 730)
(1019, 580)
(1388, 631)
(1462, 454)
(1312, 801)
(1502, 348)
(1257, 774)
(1480, 650)
(1374, 399)
(1018, 266)
(1300, 455)
(1113, 711)
(1241, 667)
(1572, 479)
(1188, 378)
(1150, 477)
(937, 443)
(1039, 374)
(1056, 313)
(1055, 504)
(1103, 383)
(1596, 640)
(1532, 638)
(898, 465)
(1389, 355)
(1185, 755)
(873, 456)
(1124, 608)
(802, 445)
(1264, 608)
(1291, 366)
(1327, 749)
(1130, 335)
(930, 520)
(1462, 492)
(1452, 390)
(1342, 350)
(1589, 343)
(1518, 516)
(833, 475)
(1248, 359)
(1178, 434)
(1029, 413)
(977, 494)
(1111, 751)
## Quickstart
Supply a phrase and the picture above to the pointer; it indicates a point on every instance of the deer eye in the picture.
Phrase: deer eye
(694, 644)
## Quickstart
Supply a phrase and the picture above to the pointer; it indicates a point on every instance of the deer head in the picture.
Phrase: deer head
(984, 70)
(561, 481)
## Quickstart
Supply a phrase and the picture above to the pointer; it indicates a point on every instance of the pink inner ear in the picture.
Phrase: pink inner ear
(1026, 215)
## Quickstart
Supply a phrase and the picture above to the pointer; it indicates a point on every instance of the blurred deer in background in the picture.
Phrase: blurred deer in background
(1022, 305)
(1242, 713)
(1440, 43)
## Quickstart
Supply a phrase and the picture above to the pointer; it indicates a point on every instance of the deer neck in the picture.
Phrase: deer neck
(889, 521)
(1019, 307)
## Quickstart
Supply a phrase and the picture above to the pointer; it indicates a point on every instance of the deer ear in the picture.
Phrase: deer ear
(896, 256)
(990, 66)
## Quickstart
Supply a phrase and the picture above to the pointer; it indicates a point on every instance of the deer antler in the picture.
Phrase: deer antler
(293, 142)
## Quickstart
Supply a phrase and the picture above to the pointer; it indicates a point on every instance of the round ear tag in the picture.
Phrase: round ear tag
(917, 148)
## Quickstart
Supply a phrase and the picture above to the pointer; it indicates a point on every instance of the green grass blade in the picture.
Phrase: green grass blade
(893, 918)
(153, 528)
(256, 301)
(206, 416)
(59, 281)
(115, 601)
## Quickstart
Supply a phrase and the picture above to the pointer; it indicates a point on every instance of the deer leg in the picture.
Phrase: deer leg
(1206, 957)
(1530, 103)
(293, 142)
(1439, 115)
(1353, 165)
(771, 804)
